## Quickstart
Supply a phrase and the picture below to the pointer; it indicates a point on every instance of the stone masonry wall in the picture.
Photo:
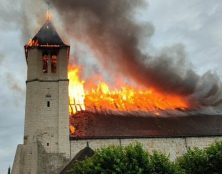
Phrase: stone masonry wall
(175, 147)
(33, 159)
(47, 115)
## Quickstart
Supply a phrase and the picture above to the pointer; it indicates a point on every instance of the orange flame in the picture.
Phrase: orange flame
(72, 129)
(48, 16)
(33, 43)
(76, 91)
(127, 98)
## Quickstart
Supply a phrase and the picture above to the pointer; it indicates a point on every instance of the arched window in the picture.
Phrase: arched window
(53, 63)
(45, 61)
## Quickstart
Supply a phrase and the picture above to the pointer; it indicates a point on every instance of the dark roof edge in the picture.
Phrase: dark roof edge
(141, 137)
(46, 46)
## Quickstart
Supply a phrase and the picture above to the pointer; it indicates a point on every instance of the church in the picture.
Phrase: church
(49, 147)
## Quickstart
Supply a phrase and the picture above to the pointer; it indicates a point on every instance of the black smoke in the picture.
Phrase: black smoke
(110, 29)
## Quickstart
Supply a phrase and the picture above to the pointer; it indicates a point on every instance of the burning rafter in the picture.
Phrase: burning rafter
(126, 99)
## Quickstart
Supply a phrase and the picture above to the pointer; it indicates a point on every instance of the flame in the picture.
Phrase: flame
(33, 43)
(76, 91)
(72, 129)
(101, 97)
(48, 16)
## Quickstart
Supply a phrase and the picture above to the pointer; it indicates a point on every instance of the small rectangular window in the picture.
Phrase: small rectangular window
(53, 63)
(48, 104)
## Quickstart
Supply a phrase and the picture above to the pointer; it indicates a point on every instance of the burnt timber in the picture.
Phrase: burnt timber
(110, 126)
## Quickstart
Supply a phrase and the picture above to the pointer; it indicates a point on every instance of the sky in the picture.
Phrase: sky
(196, 24)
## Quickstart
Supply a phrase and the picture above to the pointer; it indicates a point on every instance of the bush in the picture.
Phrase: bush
(206, 161)
(162, 165)
(214, 158)
(194, 161)
(132, 159)
(136, 160)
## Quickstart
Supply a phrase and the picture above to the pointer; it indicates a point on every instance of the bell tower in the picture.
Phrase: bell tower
(46, 147)
(46, 114)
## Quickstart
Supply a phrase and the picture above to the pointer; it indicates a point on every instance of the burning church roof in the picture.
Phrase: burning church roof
(90, 125)
(100, 112)
(47, 36)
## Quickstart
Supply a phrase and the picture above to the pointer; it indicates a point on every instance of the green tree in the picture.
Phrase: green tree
(9, 170)
(214, 158)
(132, 159)
(194, 161)
(162, 165)
(205, 161)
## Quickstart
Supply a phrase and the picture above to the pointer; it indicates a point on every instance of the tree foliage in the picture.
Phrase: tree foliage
(162, 165)
(205, 161)
(194, 161)
(214, 160)
(132, 159)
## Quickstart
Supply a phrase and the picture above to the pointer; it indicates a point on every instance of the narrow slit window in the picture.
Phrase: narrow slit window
(53, 63)
(45, 61)
(48, 104)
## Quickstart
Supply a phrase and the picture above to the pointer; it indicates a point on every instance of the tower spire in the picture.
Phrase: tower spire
(48, 15)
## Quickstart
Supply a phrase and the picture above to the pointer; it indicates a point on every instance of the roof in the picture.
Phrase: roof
(48, 35)
(111, 126)
(82, 155)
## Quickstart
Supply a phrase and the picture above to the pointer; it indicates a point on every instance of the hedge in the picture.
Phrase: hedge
(133, 159)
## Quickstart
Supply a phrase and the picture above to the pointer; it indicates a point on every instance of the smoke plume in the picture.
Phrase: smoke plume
(110, 29)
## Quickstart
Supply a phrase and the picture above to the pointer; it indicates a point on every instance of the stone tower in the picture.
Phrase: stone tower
(46, 135)
(47, 116)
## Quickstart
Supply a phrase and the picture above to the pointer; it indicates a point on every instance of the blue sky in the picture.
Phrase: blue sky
(197, 24)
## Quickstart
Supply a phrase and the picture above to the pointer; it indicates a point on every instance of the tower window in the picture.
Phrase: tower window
(45, 61)
(53, 63)
(48, 104)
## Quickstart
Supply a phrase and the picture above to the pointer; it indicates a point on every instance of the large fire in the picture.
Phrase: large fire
(102, 97)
